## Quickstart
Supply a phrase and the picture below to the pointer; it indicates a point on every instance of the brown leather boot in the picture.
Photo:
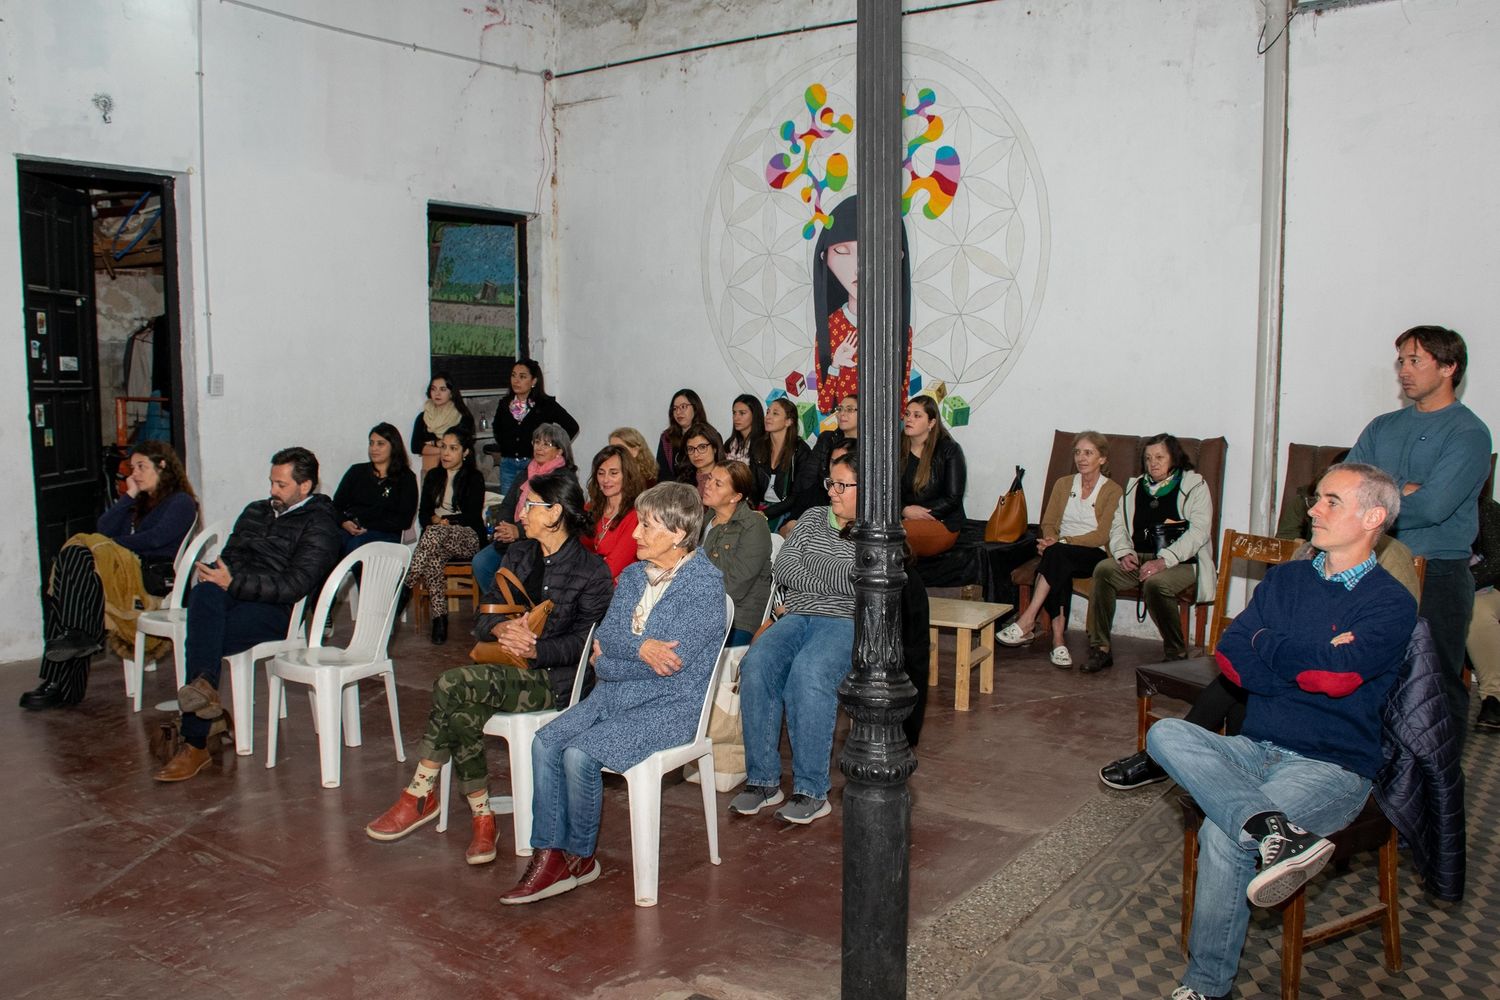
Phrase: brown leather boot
(199, 698)
(188, 762)
(481, 849)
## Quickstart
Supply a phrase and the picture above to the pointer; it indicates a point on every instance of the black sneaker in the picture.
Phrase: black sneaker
(73, 644)
(1289, 856)
(1136, 771)
(1099, 659)
(1489, 715)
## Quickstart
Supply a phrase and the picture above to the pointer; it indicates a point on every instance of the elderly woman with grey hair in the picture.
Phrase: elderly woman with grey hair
(551, 451)
(654, 655)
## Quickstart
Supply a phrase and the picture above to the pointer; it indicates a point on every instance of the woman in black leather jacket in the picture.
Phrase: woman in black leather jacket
(933, 477)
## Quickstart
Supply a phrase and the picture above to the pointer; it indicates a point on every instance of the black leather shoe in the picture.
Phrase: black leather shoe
(1099, 659)
(439, 629)
(46, 695)
(73, 644)
(1489, 715)
(1136, 771)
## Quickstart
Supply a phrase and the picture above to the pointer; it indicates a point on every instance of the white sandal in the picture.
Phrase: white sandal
(1061, 657)
(1011, 635)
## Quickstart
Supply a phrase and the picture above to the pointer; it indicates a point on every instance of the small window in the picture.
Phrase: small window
(476, 294)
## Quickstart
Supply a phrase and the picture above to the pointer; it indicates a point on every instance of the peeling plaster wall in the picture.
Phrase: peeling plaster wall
(323, 150)
(1145, 120)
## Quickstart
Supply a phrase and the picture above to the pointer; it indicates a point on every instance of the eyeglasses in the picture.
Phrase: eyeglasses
(680, 407)
(537, 503)
(837, 488)
(698, 449)
(846, 408)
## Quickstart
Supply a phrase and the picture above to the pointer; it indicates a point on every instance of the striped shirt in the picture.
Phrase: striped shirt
(815, 569)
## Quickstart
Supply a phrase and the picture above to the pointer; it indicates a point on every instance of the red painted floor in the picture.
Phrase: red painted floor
(248, 882)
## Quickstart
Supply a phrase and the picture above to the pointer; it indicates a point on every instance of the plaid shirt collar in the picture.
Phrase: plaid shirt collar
(1349, 577)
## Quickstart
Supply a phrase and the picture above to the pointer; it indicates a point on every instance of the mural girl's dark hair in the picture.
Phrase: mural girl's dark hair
(399, 461)
(828, 295)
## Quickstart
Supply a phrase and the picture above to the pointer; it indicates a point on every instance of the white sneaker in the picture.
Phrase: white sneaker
(1061, 657)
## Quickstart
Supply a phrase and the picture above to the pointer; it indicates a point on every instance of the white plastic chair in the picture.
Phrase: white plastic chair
(242, 678)
(776, 543)
(644, 783)
(334, 673)
(517, 729)
(170, 620)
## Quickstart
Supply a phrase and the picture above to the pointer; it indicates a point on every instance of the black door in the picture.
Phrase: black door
(59, 340)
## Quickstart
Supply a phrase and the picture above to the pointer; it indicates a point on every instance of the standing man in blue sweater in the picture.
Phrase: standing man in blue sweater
(1438, 453)
(1318, 649)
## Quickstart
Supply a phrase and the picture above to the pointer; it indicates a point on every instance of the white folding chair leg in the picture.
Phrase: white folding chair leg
(445, 778)
(520, 794)
(390, 699)
(275, 691)
(135, 673)
(710, 804)
(242, 689)
(644, 783)
(179, 661)
(330, 708)
(353, 735)
(312, 703)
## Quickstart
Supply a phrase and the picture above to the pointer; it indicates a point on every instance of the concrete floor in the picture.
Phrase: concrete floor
(248, 882)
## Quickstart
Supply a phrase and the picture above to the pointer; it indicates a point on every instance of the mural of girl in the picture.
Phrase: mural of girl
(835, 279)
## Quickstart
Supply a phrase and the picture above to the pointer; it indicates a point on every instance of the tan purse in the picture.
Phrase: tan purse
(491, 615)
(1008, 522)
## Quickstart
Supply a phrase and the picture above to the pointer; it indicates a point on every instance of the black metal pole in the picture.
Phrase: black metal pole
(877, 694)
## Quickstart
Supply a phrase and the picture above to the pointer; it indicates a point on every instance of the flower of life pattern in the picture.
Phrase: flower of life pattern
(979, 270)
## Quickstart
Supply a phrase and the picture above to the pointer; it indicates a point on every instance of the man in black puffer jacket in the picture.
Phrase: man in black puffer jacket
(280, 551)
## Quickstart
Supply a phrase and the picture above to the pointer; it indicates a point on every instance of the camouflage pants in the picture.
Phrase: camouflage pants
(463, 699)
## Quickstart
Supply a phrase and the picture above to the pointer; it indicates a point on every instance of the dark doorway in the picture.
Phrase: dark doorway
(102, 362)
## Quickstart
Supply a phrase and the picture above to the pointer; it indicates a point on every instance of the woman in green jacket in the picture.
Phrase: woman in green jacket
(738, 541)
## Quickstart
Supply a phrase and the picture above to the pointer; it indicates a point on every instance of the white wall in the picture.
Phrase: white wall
(323, 150)
(1392, 218)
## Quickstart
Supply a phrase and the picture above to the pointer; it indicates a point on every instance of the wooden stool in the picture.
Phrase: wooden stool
(966, 617)
(458, 577)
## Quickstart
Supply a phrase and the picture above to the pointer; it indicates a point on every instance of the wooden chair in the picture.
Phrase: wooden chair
(1186, 679)
(1125, 461)
(458, 577)
(1369, 831)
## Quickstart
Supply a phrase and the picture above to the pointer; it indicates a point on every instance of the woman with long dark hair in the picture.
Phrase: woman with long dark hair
(784, 464)
(685, 411)
(518, 415)
(933, 479)
(747, 421)
(452, 517)
(703, 447)
(444, 410)
(376, 500)
(614, 484)
(97, 578)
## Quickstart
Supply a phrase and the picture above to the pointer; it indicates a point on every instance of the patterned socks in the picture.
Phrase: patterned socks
(479, 803)
(423, 780)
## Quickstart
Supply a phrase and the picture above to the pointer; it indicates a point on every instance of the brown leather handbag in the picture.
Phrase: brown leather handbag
(1008, 522)
(510, 608)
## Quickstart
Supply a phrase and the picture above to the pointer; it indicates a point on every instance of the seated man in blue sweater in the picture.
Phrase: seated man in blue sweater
(1318, 648)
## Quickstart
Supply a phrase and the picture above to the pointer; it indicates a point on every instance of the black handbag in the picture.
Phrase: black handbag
(159, 577)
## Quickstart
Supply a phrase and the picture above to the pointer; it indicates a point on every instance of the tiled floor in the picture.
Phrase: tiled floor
(248, 882)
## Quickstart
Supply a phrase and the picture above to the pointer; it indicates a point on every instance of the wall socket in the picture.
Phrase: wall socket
(216, 385)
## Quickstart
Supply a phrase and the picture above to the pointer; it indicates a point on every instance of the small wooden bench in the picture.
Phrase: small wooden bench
(966, 617)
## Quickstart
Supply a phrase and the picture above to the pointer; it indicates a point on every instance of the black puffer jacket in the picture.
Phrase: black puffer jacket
(944, 494)
(579, 585)
(1420, 787)
(513, 437)
(280, 560)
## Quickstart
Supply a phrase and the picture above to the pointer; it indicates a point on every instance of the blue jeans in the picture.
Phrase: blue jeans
(795, 667)
(510, 469)
(566, 800)
(485, 564)
(1234, 778)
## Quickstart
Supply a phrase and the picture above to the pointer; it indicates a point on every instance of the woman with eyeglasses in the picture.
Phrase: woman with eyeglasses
(809, 492)
(444, 410)
(376, 500)
(551, 451)
(452, 518)
(738, 541)
(933, 479)
(795, 667)
(551, 564)
(703, 447)
(685, 411)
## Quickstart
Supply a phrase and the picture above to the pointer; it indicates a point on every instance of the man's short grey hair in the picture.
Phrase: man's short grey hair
(1376, 489)
(554, 435)
(676, 507)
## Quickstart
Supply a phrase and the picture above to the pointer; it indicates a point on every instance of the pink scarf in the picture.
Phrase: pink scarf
(532, 471)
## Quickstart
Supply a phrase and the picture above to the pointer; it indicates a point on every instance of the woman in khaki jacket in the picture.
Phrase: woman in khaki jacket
(1075, 529)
